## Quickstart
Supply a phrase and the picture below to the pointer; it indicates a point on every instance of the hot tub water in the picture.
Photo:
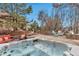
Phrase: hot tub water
(35, 48)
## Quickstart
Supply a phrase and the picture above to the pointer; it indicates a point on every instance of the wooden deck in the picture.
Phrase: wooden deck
(59, 38)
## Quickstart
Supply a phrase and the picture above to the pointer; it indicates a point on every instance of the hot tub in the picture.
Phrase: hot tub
(34, 47)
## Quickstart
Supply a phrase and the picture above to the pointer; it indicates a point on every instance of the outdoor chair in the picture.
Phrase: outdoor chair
(54, 33)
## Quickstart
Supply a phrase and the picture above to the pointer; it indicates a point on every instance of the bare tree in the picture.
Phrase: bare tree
(75, 17)
(42, 16)
(56, 19)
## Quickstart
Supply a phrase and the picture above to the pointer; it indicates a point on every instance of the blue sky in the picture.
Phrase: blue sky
(36, 7)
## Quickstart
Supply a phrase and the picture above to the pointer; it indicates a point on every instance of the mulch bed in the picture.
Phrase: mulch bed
(74, 36)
